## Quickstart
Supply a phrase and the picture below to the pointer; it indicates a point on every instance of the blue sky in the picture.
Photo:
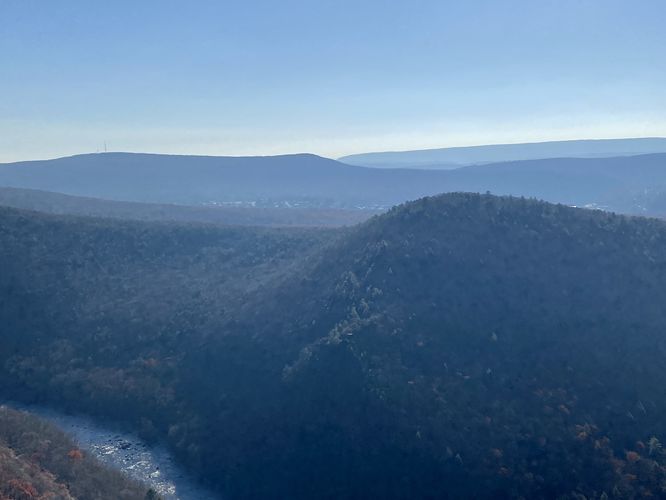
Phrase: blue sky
(329, 77)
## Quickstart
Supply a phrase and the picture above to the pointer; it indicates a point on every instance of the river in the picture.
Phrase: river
(150, 464)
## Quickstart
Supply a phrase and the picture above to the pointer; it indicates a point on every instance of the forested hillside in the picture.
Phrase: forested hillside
(459, 346)
(38, 461)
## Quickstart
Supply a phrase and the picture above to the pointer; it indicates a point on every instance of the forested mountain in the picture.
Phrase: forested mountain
(459, 346)
(61, 204)
(290, 180)
(624, 184)
(39, 461)
(472, 155)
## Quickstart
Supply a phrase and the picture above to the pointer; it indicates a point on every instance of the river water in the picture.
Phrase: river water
(150, 464)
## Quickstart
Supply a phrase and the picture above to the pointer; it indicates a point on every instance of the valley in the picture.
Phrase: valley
(332, 250)
(147, 463)
(300, 362)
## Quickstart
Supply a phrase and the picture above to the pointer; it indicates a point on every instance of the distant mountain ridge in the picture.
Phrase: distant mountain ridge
(455, 157)
(157, 178)
(629, 184)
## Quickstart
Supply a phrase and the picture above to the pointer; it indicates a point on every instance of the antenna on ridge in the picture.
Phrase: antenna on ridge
(105, 146)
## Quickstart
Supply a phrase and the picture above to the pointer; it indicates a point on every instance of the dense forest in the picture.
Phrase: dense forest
(37, 461)
(458, 346)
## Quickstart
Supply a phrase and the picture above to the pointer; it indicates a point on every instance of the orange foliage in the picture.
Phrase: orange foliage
(75, 454)
(633, 457)
(23, 488)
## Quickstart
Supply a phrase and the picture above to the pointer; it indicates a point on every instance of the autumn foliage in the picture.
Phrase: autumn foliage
(37, 461)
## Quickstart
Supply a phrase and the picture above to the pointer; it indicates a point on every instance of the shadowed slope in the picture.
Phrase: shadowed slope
(458, 346)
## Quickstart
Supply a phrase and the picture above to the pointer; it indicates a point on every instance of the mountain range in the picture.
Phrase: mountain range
(628, 184)
(446, 158)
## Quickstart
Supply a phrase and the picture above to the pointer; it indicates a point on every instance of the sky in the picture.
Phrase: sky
(250, 77)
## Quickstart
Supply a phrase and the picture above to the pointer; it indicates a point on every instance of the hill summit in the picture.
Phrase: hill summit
(461, 346)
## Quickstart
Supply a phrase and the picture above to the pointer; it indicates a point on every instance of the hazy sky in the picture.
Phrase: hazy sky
(329, 77)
